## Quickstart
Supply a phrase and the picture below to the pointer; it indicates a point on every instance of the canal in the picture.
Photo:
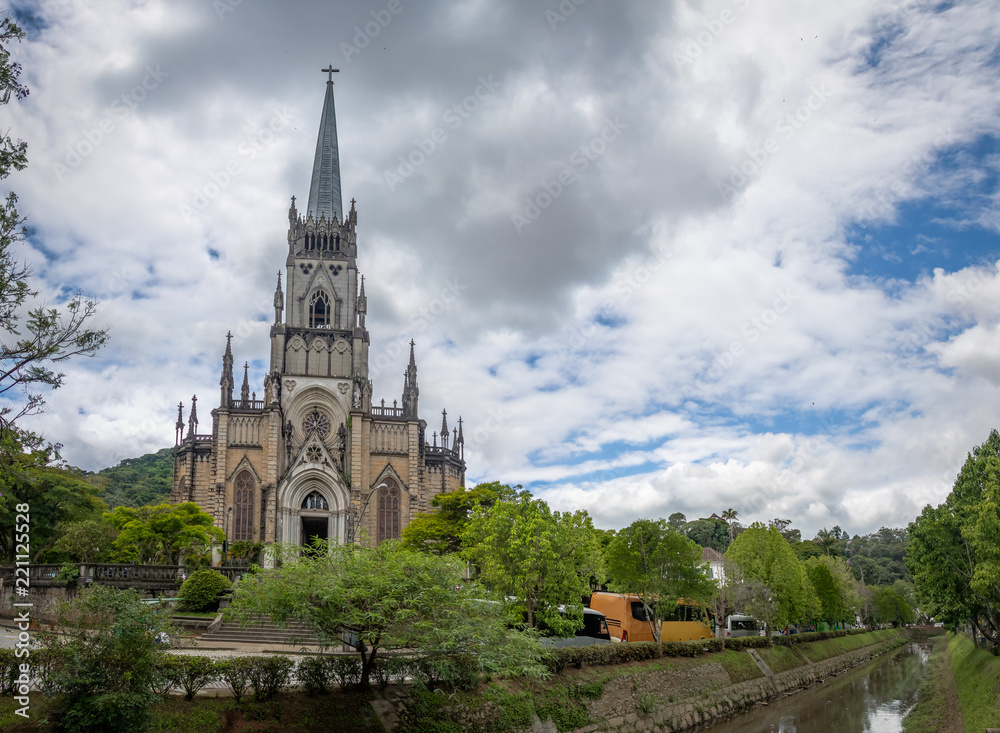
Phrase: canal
(873, 698)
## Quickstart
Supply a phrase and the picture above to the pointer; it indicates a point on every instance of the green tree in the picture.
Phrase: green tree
(108, 644)
(792, 535)
(712, 533)
(389, 597)
(661, 566)
(878, 558)
(55, 496)
(828, 541)
(91, 540)
(730, 516)
(677, 521)
(764, 554)
(953, 553)
(440, 532)
(542, 559)
(163, 534)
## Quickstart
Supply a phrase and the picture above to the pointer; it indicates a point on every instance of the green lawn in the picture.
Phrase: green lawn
(977, 677)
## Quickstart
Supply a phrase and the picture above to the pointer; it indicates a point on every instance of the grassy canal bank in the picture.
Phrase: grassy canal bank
(962, 691)
(664, 694)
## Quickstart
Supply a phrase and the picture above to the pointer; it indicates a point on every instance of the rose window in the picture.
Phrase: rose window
(316, 422)
(314, 454)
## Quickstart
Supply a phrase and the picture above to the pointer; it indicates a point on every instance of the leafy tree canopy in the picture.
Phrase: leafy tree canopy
(712, 533)
(542, 559)
(440, 532)
(162, 534)
(764, 554)
(659, 564)
(389, 597)
(55, 496)
(954, 549)
(90, 540)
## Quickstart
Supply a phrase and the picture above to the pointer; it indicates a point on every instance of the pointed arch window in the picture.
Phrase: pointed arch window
(316, 501)
(319, 310)
(388, 512)
(243, 507)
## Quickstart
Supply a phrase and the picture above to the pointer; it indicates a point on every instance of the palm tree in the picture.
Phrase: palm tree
(827, 540)
(730, 517)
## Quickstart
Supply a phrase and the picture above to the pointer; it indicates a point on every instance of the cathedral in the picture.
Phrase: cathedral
(314, 457)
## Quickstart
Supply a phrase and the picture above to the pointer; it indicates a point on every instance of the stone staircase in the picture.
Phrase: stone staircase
(262, 631)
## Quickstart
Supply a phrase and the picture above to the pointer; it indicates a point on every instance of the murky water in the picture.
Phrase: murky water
(871, 699)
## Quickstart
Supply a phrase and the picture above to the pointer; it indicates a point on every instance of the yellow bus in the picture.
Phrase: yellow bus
(627, 621)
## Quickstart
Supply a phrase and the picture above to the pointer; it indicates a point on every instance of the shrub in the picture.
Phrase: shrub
(8, 671)
(165, 675)
(193, 673)
(236, 674)
(793, 639)
(315, 674)
(109, 655)
(268, 675)
(122, 712)
(69, 573)
(459, 671)
(46, 665)
(347, 670)
(200, 592)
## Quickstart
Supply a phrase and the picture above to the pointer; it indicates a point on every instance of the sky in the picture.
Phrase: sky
(661, 257)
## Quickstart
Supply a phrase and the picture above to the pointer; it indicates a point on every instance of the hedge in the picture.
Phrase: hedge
(637, 651)
(747, 642)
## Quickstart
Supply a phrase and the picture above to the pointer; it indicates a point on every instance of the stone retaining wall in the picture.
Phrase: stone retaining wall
(684, 697)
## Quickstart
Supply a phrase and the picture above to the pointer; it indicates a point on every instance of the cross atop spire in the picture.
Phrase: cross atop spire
(331, 71)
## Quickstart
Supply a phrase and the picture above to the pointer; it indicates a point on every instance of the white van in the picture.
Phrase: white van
(743, 626)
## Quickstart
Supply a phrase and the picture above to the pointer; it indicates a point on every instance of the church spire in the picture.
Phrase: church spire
(444, 428)
(245, 389)
(410, 389)
(179, 427)
(362, 304)
(227, 372)
(324, 191)
(193, 418)
(279, 301)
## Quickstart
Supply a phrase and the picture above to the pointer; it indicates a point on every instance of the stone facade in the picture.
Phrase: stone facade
(313, 456)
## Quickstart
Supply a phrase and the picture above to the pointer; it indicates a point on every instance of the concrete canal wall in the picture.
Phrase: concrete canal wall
(660, 696)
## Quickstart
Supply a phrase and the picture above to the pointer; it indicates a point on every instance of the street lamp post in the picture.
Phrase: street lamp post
(353, 529)
(225, 542)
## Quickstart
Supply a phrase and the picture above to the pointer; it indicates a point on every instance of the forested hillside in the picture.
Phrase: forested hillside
(137, 481)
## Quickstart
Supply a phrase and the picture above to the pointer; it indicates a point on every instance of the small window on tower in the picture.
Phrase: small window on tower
(319, 311)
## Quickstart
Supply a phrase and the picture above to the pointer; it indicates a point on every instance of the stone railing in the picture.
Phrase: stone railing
(139, 576)
(391, 412)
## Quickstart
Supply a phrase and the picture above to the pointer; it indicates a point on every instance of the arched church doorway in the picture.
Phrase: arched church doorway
(314, 527)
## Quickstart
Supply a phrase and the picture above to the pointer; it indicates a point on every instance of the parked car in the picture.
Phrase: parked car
(737, 625)
(593, 631)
